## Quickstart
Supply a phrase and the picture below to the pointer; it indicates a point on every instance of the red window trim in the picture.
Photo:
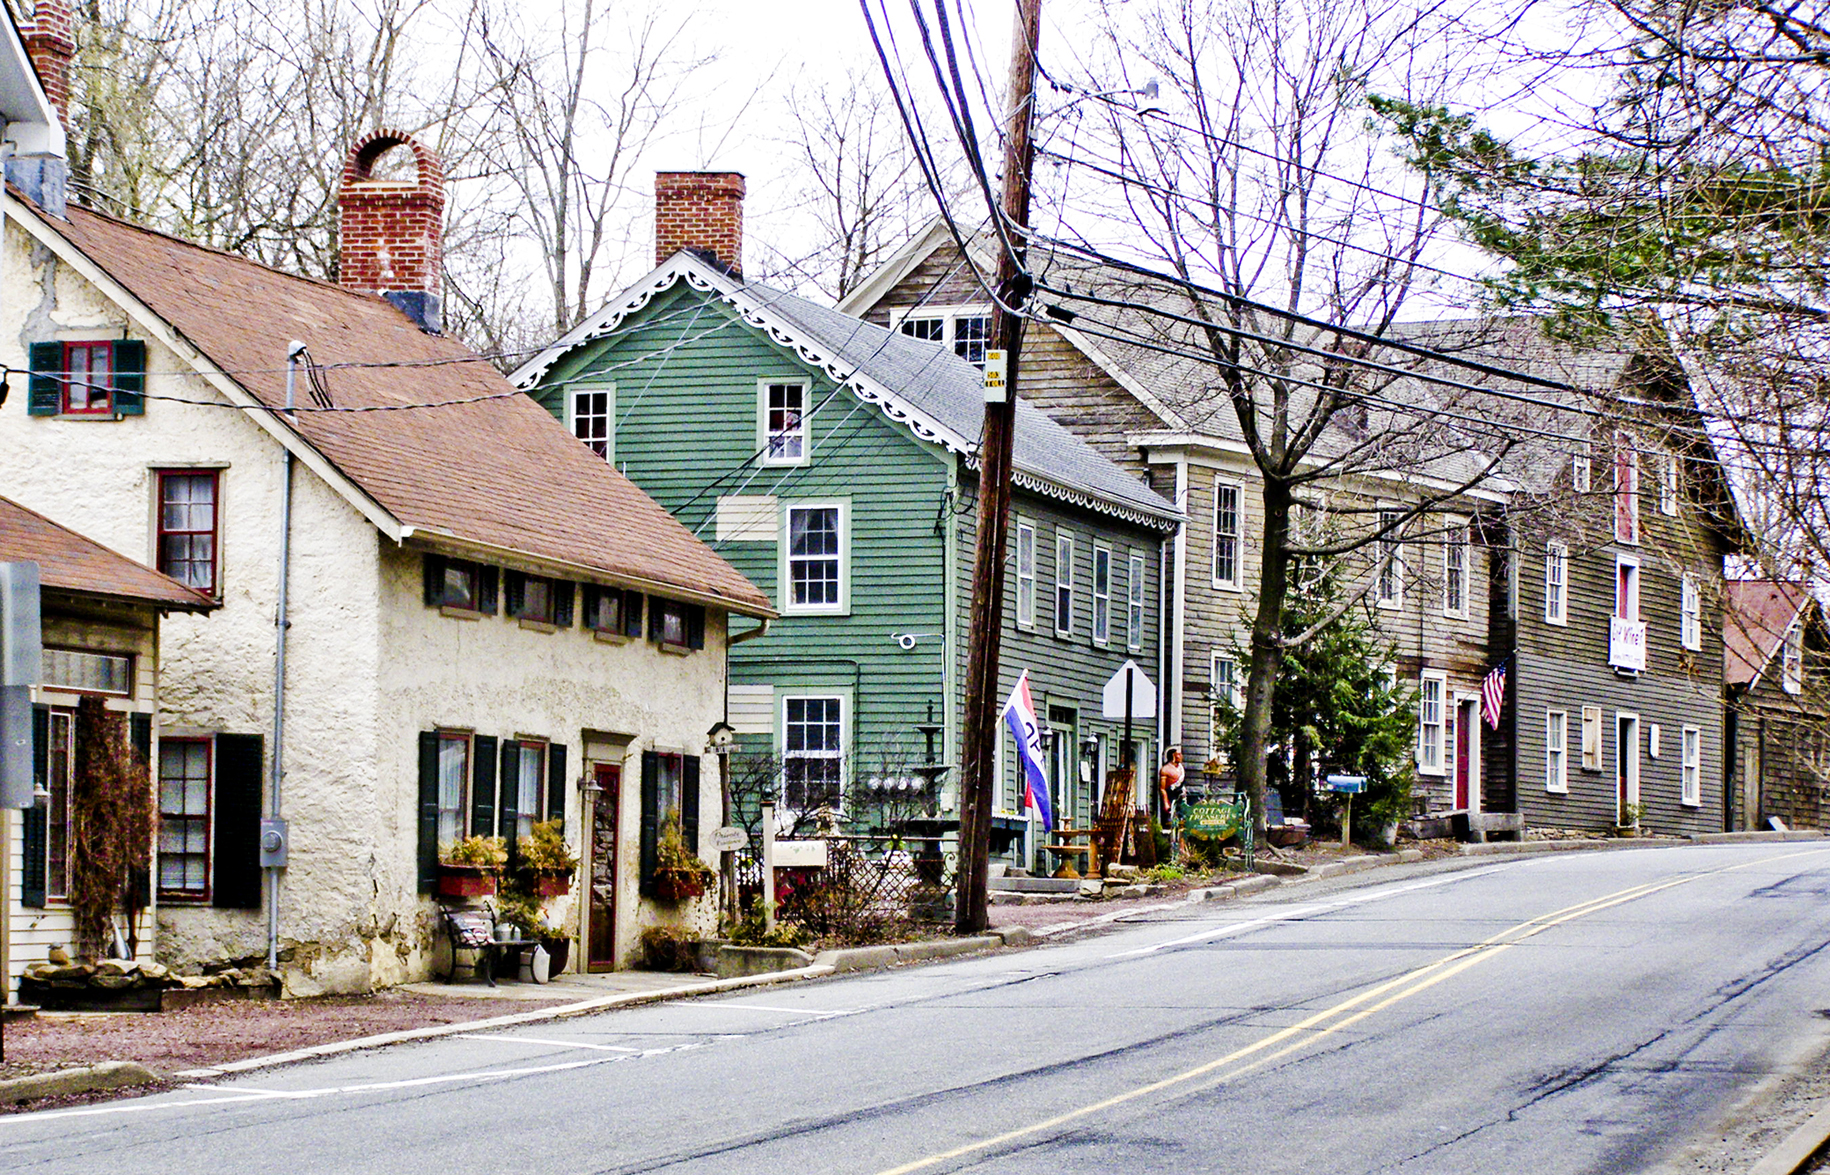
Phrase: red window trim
(106, 406)
(209, 818)
(214, 587)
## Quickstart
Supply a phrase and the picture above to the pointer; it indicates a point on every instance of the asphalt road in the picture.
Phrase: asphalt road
(1583, 1012)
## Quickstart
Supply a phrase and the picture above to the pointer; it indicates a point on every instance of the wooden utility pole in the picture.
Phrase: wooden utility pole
(987, 617)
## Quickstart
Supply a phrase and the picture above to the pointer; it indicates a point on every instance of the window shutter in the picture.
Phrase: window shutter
(45, 392)
(486, 591)
(651, 819)
(130, 377)
(434, 569)
(483, 785)
(689, 801)
(556, 784)
(237, 820)
(428, 810)
(139, 732)
(514, 592)
(695, 627)
(654, 618)
(632, 615)
(506, 810)
(32, 864)
(563, 591)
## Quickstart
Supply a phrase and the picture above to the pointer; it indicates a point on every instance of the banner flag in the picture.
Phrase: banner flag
(1020, 716)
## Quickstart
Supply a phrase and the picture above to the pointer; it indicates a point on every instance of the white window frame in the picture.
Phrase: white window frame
(844, 739)
(1690, 613)
(1556, 583)
(1231, 540)
(786, 559)
(1626, 604)
(1668, 471)
(1102, 600)
(573, 395)
(1064, 583)
(949, 317)
(1625, 459)
(1556, 751)
(1455, 577)
(1235, 696)
(1134, 602)
(1792, 657)
(1581, 472)
(1432, 737)
(765, 437)
(1026, 575)
(1389, 591)
(1690, 768)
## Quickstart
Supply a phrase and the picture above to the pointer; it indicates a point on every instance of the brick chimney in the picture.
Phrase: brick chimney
(50, 41)
(389, 229)
(701, 211)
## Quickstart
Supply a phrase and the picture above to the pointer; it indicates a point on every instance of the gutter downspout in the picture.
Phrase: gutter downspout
(273, 836)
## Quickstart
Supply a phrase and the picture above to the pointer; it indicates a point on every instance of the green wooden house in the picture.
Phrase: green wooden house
(832, 461)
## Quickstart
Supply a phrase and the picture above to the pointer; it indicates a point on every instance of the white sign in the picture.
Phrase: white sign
(1627, 644)
(1143, 694)
(997, 386)
(729, 839)
(802, 853)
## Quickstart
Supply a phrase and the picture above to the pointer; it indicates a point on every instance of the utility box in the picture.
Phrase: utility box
(273, 844)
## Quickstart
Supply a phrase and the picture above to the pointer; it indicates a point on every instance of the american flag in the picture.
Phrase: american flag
(1493, 695)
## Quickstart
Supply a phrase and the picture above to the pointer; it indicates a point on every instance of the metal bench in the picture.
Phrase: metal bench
(475, 930)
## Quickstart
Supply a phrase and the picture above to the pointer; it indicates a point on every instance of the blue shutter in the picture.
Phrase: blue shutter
(483, 785)
(428, 810)
(130, 377)
(45, 391)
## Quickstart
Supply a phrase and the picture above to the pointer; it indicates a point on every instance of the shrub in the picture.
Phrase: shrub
(669, 948)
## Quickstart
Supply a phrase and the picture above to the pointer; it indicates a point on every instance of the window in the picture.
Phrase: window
(101, 378)
(1792, 658)
(1430, 723)
(84, 672)
(971, 334)
(1579, 468)
(1064, 584)
(1691, 793)
(1626, 588)
(783, 421)
(453, 786)
(932, 330)
(1556, 583)
(676, 625)
(1222, 690)
(1690, 613)
(613, 611)
(187, 527)
(525, 768)
(60, 761)
(460, 584)
(1026, 575)
(1626, 489)
(539, 600)
(184, 819)
(967, 331)
(1134, 604)
(1102, 595)
(1591, 738)
(814, 557)
(593, 416)
(1226, 534)
(1556, 757)
(1391, 562)
(813, 751)
(1668, 483)
(1455, 570)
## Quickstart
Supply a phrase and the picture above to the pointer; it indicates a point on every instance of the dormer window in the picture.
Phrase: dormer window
(966, 329)
(98, 379)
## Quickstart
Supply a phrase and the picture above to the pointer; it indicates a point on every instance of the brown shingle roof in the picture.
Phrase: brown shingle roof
(70, 562)
(1755, 616)
(500, 473)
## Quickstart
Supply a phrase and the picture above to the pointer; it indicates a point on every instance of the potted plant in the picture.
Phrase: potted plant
(469, 868)
(679, 873)
(547, 860)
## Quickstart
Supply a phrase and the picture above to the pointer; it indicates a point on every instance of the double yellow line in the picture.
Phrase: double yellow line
(1350, 1011)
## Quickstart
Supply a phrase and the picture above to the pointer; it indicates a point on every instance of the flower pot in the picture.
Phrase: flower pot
(678, 885)
(552, 885)
(465, 881)
(560, 949)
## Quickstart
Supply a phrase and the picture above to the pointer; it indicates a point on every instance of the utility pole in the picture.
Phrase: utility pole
(987, 616)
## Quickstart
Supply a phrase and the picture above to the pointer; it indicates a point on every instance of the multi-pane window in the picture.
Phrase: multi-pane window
(1391, 561)
(1102, 595)
(453, 786)
(86, 672)
(1556, 753)
(1556, 583)
(592, 419)
(933, 330)
(1222, 690)
(1579, 472)
(1064, 584)
(1455, 570)
(971, 335)
(88, 379)
(784, 423)
(1668, 483)
(528, 771)
(1691, 780)
(184, 818)
(1626, 489)
(187, 527)
(1226, 534)
(1134, 604)
(1026, 575)
(1690, 613)
(815, 559)
(813, 751)
(1430, 728)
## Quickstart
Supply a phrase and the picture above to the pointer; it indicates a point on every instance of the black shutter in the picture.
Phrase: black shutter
(651, 820)
(428, 810)
(130, 377)
(695, 626)
(32, 865)
(237, 820)
(139, 732)
(434, 568)
(632, 615)
(656, 607)
(486, 590)
(689, 801)
(483, 785)
(556, 784)
(45, 391)
(562, 602)
(514, 593)
(509, 807)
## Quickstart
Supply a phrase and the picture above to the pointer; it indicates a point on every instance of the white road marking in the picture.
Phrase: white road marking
(820, 1012)
(564, 1044)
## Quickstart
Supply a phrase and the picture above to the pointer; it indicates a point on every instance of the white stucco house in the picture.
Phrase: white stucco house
(485, 623)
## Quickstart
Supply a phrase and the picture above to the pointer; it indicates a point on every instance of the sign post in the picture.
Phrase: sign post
(1128, 693)
(1349, 786)
(21, 664)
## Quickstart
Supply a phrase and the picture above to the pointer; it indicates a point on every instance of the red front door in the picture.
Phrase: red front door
(1467, 795)
(601, 915)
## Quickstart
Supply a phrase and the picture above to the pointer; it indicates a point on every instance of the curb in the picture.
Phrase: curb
(892, 954)
(88, 1079)
(1798, 1148)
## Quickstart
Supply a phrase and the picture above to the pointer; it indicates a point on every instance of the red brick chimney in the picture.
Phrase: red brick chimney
(701, 211)
(389, 229)
(50, 41)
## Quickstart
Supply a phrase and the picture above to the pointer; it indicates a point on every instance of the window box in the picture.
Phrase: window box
(466, 881)
(103, 379)
(552, 885)
(679, 883)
